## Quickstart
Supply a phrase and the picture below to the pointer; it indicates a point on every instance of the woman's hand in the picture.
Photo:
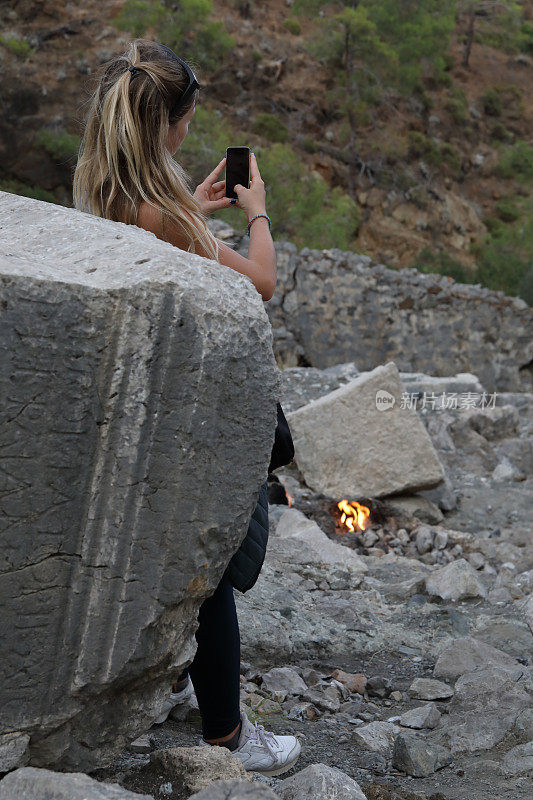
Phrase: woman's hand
(252, 199)
(210, 194)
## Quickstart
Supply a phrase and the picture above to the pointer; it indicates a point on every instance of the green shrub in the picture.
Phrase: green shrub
(439, 262)
(19, 47)
(526, 36)
(257, 55)
(491, 102)
(59, 144)
(271, 127)
(507, 210)
(421, 146)
(499, 132)
(137, 16)
(309, 144)
(189, 29)
(16, 187)
(494, 226)
(516, 162)
(505, 256)
(451, 157)
(457, 105)
(292, 25)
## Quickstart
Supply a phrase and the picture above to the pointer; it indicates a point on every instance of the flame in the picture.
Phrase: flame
(354, 515)
(290, 498)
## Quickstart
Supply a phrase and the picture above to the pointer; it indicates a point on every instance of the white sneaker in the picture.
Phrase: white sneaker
(262, 751)
(174, 699)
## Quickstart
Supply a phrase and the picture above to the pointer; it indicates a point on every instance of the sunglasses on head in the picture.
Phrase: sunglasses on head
(193, 81)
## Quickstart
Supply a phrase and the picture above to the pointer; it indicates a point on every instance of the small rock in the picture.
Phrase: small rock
(397, 696)
(283, 679)
(303, 711)
(377, 736)
(14, 751)
(427, 716)
(413, 755)
(325, 697)
(429, 689)
(440, 539)
(142, 744)
(455, 581)
(519, 759)
(351, 708)
(424, 539)
(379, 686)
(356, 683)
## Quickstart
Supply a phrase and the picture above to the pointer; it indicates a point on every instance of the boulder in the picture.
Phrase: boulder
(138, 418)
(319, 782)
(31, 783)
(196, 768)
(235, 790)
(485, 707)
(361, 441)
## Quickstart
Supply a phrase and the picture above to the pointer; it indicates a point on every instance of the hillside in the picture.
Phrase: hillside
(443, 178)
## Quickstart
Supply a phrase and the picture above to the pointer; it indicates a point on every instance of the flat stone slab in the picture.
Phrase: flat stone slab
(358, 441)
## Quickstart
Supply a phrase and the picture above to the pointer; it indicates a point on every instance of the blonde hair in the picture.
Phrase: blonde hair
(123, 159)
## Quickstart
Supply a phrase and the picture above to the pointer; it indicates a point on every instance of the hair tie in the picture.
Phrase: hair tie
(133, 70)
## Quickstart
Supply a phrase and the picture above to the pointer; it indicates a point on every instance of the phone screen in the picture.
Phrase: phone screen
(237, 169)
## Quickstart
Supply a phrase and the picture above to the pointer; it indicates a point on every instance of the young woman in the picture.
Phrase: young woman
(138, 118)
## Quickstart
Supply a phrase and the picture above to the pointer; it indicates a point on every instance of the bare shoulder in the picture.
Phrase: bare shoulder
(151, 218)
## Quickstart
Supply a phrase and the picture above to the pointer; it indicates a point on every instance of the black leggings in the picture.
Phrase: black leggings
(215, 669)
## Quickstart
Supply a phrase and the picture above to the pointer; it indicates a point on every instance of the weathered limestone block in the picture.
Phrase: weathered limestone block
(31, 783)
(347, 445)
(138, 393)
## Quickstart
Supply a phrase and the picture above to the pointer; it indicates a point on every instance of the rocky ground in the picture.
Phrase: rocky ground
(401, 655)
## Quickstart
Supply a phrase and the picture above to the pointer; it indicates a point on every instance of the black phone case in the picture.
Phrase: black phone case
(237, 169)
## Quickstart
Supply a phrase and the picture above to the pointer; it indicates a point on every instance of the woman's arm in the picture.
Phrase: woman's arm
(260, 265)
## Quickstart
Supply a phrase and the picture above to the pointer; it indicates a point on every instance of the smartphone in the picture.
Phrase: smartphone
(237, 169)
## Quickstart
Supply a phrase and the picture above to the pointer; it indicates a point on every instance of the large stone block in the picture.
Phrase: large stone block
(349, 445)
(31, 783)
(138, 393)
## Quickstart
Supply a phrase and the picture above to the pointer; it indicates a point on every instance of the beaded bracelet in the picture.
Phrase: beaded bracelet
(255, 217)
